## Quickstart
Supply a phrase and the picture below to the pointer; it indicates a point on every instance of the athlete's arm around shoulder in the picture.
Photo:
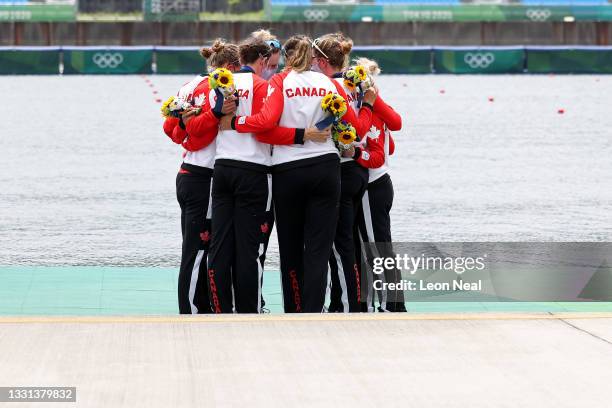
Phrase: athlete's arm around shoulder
(277, 135)
(270, 111)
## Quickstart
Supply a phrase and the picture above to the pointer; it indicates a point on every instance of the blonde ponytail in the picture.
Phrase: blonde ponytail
(298, 51)
(370, 66)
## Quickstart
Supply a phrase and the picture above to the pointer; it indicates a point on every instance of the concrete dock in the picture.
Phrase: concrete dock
(431, 360)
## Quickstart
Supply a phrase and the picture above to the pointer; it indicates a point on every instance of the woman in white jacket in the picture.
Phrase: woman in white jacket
(306, 176)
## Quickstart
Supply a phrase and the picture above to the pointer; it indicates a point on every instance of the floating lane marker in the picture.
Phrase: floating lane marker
(152, 85)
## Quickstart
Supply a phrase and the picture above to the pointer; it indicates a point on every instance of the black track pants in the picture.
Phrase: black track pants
(345, 278)
(267, 230)
(193, 195)
(306, 205)
(241, 201)
(375, 227)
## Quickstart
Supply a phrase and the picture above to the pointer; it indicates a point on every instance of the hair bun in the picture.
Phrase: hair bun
(218, 46)
(346, 46)
(206, 52)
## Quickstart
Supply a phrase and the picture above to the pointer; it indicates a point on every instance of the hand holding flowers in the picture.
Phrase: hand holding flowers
(344, 136)
(221, 81)
(335, 106)
(356, 79)
(176, 107)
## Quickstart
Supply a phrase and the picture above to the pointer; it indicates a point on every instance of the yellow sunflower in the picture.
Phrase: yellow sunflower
(338, 106)
(326, 101)
(165, 108)
(361, 72)
(221, 78)
(346, 137)
(350, 85)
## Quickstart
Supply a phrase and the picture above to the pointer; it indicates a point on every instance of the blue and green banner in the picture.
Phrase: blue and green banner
(426, 12)
(564, 60)
(392, 60)
(29, 60)
(179, 60)
(398, 60)
(103, 60)
(470, 60)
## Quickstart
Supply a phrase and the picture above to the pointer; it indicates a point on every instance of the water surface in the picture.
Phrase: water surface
(87, 175)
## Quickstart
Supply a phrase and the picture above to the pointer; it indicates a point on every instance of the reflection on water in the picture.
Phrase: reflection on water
(87, 176)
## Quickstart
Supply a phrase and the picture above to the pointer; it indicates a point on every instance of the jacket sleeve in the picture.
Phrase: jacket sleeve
(169, 124)
(281, 136)
(173, 130)
(372, 156)
(391, 118)
(202, 129)
(277, 135)
(362, 121)
(270, 112)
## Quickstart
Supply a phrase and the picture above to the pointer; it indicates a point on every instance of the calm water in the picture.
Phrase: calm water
(87, 176)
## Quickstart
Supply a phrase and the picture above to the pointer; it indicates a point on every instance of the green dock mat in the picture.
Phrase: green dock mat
(81, 290)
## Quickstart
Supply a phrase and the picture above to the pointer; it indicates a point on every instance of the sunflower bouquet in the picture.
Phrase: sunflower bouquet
(357, 77)
(174, 107)
(344, 135)
(221, 80)
(334, 105)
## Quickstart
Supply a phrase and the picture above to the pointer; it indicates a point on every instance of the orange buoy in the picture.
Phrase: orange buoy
(491, 99)
(561, 111)
(442, 91)
(158, 100)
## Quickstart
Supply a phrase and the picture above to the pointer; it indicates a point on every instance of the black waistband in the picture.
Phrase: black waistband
(244, 165)
(306, 162)
(382, 179)
(192, 168)
(350, 163)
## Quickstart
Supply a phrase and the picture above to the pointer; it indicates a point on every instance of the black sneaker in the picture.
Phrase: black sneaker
(397, 307)
(334, 308)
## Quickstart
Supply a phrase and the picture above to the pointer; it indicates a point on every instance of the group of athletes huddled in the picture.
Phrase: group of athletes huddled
(258, 158)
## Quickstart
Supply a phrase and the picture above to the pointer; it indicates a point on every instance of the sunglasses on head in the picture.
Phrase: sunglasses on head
(274, 44)
(314, 44)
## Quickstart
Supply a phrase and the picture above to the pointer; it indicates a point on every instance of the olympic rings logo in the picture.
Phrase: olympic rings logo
(538, 14)
(479, 60)
(316, 15)
(107, 59)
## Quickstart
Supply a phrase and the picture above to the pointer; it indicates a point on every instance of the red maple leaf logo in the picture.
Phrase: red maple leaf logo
(205, 236)
(265, 228)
